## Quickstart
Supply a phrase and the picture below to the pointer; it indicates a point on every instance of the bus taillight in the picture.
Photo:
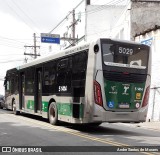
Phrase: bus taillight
(146, 97)
(97, 93)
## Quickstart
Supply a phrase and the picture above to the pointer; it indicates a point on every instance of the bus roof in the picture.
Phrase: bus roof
(54, 56)
(67, 52)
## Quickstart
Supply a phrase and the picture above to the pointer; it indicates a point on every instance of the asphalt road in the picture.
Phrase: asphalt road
(29, 131)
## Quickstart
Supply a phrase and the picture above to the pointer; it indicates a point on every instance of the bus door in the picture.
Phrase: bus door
(22, 91)
(38, 91)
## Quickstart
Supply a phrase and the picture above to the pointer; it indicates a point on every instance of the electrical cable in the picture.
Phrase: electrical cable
(19, 16)
(65, 18)
(99, 8)
(32, 21)
(102, 7)
(11, 61)
(12, 40)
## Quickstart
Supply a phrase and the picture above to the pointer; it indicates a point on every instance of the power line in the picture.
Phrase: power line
(65, 17)
(19, 16)
(32, 21)
(11, 45)
(16, 40)
(8, 42)
(11, 61)
(102, 7)
(14, 43)
(60, 23)
(78, 5)
(10, 54)
(104, 30)
(97, 9)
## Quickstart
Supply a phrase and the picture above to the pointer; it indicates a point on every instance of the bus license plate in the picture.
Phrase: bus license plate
(124, 106)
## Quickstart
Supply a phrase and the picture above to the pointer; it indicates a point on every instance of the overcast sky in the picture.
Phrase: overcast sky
(21, 18)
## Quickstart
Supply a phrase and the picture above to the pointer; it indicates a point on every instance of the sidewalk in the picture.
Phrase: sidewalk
(155, 125)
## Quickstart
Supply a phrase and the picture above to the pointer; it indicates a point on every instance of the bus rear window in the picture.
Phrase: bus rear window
(125, 55)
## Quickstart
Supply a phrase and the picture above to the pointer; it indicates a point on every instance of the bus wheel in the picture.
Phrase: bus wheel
(14, 108)
(53, 114)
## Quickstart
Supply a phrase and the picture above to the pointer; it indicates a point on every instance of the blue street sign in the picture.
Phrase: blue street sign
(50, 40)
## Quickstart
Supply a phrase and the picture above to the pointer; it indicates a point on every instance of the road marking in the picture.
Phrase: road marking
(76, 133)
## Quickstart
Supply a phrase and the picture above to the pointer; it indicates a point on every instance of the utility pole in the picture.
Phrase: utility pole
(73, 27)
(34, 47)
(87, 2)
(72, 40)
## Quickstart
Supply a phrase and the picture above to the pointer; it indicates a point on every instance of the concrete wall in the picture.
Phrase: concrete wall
(125, 22)
(153, 40)
(100, 20)
(121, 30)
(144, 16)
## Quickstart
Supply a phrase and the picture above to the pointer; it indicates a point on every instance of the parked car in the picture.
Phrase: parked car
(2, 102)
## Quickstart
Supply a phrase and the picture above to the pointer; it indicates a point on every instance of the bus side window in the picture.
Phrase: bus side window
(29, 81)
(12, 84)
(79, 74)
(49, 76)
(8, 86)
(16, 84)
(64, 74)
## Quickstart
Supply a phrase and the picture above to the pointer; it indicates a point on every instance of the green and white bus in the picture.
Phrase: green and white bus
(103, 81)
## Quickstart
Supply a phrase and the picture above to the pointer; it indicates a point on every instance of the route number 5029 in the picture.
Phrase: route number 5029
(125, 51)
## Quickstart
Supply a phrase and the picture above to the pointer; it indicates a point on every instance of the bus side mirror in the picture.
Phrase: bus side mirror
(96, 48)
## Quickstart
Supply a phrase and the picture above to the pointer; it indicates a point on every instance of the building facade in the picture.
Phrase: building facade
(136, 20)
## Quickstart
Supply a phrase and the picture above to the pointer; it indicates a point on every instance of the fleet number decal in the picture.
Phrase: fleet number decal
(125, 51)
(62, 88)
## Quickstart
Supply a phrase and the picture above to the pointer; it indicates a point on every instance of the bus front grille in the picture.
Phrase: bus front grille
(125, 77)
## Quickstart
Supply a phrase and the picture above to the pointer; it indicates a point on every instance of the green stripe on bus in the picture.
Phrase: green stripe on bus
(30, 104)
(67, 109)
(44, 106)
(63, 108)
(81, 110)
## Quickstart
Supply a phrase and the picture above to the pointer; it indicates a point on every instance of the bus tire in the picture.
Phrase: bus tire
(14, 108)
(53, 114)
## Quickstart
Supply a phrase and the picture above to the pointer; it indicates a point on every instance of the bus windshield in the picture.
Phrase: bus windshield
(125, 55)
